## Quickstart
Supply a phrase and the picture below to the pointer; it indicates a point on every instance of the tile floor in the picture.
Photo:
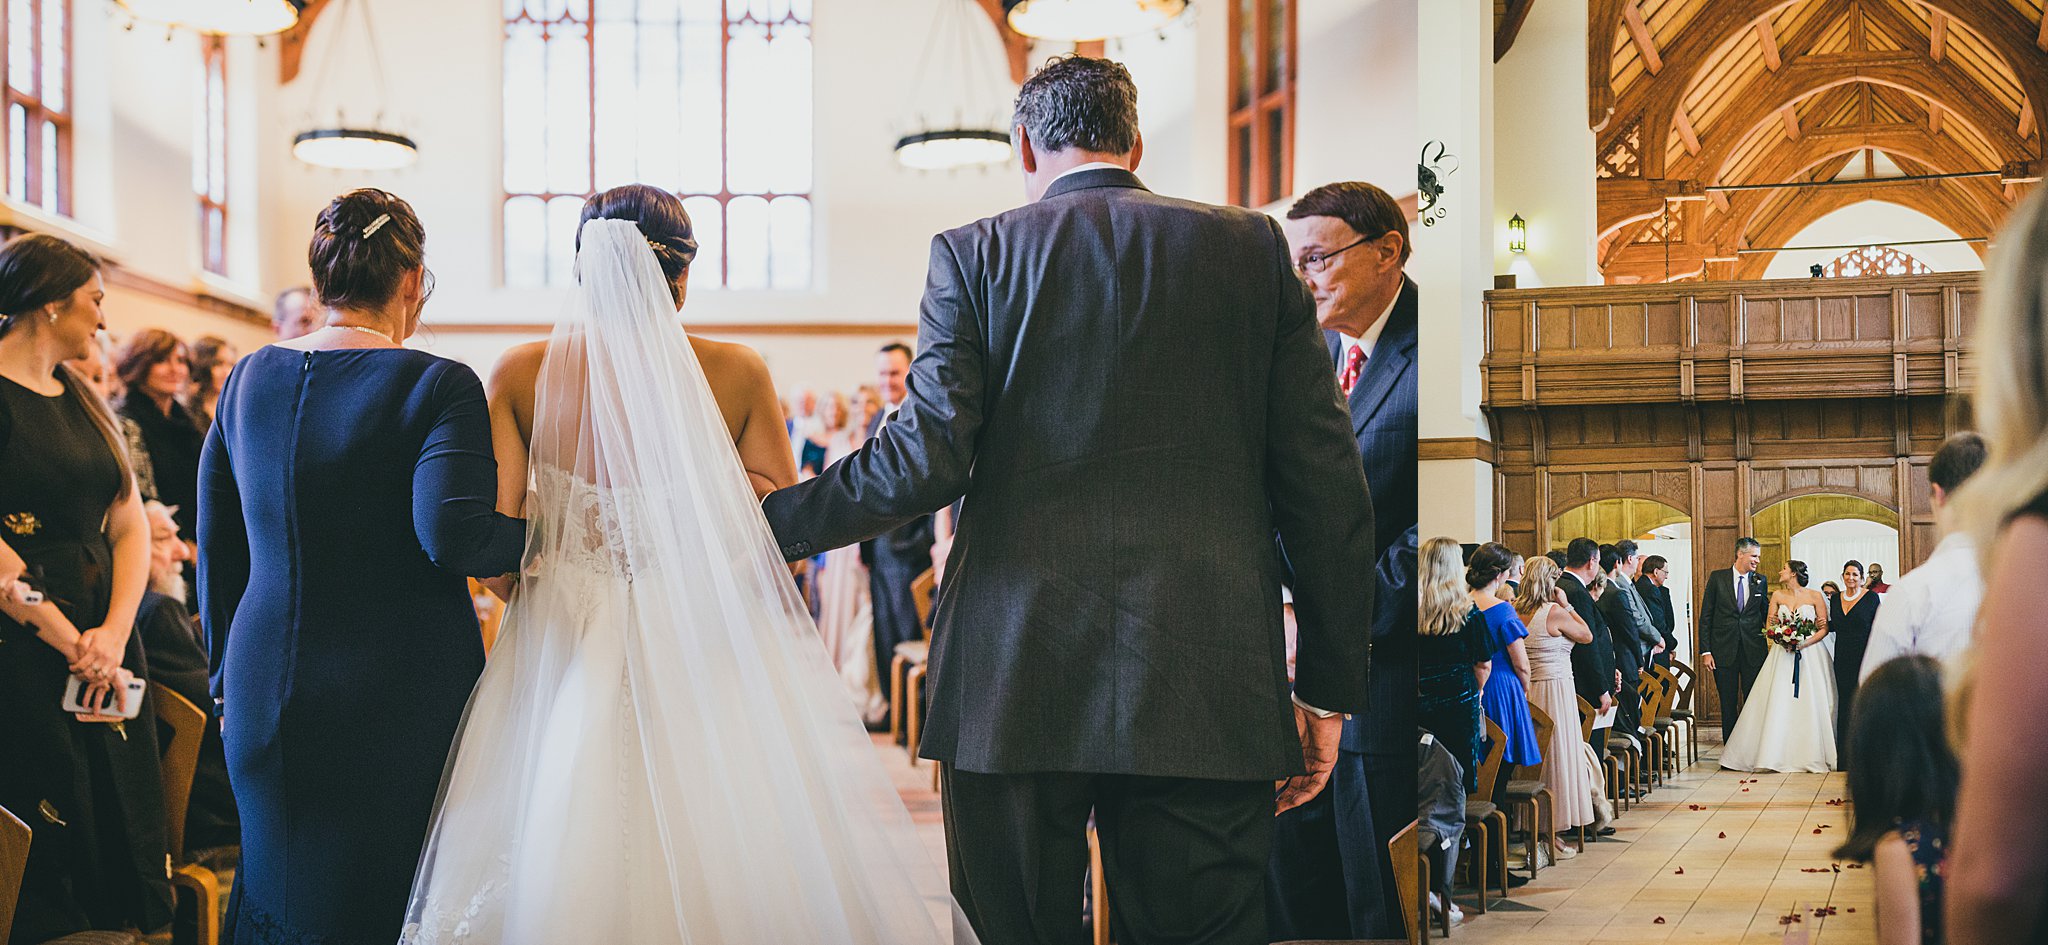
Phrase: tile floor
(1734, 889)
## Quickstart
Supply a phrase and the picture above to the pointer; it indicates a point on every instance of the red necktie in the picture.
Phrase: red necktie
(1354, 365)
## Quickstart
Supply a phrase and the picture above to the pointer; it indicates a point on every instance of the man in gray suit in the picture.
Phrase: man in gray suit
(1131, 394)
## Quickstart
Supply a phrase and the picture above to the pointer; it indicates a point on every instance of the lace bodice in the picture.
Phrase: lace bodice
(585, 528)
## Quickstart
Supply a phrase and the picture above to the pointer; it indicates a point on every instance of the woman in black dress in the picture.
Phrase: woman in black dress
(155, 367)
(1454, 655)
(1850, 614)
(349, 485)
(70, 517)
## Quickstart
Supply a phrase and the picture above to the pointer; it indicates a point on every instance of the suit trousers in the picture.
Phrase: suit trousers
(1733, 678)
(1184, 858)
(895, 611)
(1329, 877)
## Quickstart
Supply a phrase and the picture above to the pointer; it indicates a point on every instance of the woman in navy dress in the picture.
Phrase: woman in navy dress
(1505, 698)
(347, 488)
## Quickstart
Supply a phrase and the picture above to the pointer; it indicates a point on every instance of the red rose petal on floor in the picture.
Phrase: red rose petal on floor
(1660, 920)
(1852, 908)
(1723, 836)
(1816, 830)
(1678, 872)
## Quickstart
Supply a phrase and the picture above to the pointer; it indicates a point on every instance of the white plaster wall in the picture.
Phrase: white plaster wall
(1545, 151)
(1874, 222)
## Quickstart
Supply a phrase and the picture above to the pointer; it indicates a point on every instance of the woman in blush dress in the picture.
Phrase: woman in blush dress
(349, 486)
(845, 613)
(1554, 628)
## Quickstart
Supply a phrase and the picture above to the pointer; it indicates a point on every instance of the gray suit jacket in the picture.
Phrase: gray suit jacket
(1132, 395)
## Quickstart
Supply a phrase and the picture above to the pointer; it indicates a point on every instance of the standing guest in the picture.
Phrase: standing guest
(339, 704)
(1594, 675)
(97, 371)
(1830, 590)
(1554, 628)
(1657, 599)
(1454, 656)
(895, 559)
(1877, 582)
(1506, 697)
(296, 313)
(1349, 241)
(1997, 877)
(867, 405)
(1850, 615)
(177, 662)
(1933, 608)
(1731, 626)
(845, 609)
(212, 359)
(1903, 790)
(1512, 587)
(1635, 637)
(70, 515)
(154, 365)
(1110, 636)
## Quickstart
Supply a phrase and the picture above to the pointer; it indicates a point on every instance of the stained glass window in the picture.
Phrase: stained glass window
(1875, 261)
(709, 99)
(37, 51)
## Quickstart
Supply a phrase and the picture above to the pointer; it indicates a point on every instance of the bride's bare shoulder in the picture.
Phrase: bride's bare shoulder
(729, 365)
(518, 368)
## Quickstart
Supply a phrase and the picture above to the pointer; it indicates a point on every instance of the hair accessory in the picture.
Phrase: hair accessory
(656, 247)
(376, 225)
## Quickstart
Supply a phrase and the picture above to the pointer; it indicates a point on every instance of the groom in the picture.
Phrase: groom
(1732, 643)
(1132, 395)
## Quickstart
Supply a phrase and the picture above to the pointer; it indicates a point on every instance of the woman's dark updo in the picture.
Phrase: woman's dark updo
(1488, 563)
(357, 258)
(37, 269)
(659, 216)
(1798, 571)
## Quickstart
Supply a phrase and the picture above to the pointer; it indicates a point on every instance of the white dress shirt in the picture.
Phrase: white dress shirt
(1090, 166)
(1369, 340)
(1931, 609)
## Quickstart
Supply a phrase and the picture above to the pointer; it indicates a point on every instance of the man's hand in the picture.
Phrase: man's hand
(1707, 661)
(1659, 648)
(1319, 737)
(1617, 680)
(1606, 702)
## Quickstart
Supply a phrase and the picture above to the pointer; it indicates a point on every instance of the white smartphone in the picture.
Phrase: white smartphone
(124, 702)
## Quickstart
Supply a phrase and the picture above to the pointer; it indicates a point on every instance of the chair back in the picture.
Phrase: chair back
(1669, 680)
(180, 761)
(1686, 678)
(14, 840)
(1405, 852)
(1585, 719)
(1489, 768)
(1544, 725)
(921, 591)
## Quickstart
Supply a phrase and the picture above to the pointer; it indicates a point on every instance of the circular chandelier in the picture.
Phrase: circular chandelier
(355, 149)
(1081, 21)
(223, 17)
(952, 148)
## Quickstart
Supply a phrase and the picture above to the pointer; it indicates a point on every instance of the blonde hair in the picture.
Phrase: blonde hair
(1441, 579)
(1539, 582)
(2011, 396)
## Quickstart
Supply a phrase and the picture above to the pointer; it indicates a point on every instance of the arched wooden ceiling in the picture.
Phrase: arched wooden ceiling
(1689, 94)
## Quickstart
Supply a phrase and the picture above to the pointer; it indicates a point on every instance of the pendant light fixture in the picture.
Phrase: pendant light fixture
(220, 17)
(344, 145)
(1082, 21)
(974, 135)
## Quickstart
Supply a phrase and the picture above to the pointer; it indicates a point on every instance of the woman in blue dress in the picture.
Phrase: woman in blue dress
(346, 489)
(1505, 697)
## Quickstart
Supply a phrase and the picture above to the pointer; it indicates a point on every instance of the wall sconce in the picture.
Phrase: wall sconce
(1518, 234)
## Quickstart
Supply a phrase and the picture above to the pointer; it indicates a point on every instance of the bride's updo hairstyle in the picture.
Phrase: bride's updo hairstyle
(363, 245)
(1798, 571)
(1488, 563)
(660, 217)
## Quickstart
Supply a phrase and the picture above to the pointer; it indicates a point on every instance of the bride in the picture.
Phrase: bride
(1788, 721)
(659, 750)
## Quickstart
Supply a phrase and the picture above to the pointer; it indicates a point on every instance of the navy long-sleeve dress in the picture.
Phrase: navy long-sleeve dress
(344, 494)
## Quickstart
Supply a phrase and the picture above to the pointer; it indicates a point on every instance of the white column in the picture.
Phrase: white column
(1453, 263)
(1545, 166)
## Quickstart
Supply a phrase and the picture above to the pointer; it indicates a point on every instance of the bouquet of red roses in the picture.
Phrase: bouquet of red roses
(1790, 629)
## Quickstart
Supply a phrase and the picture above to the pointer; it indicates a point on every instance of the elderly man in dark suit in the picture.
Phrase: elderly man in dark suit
(1132, 395)
(1732, 644)
(1331, 878)
(1650, 587)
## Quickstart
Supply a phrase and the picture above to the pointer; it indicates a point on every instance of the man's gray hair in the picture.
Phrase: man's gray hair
(1079, 102)
(1745, 543)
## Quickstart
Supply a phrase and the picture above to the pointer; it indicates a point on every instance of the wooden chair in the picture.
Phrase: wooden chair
(1609, 765)
(180, 761)
(1530, 799)
(1098, 888)
(1649, 702)
(1682, 710)
(921, 591)
(1489, 842)
(14, 840)
(906, 669)
(1667, 727)
(1404, 851)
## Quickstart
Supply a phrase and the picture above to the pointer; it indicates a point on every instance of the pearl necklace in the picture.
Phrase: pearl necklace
(367, 331)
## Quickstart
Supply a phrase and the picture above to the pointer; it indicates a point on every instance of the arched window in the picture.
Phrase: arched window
(37, 55)
(1875, 261)
(710, 99)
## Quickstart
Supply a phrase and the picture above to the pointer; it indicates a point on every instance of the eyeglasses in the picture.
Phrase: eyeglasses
(1315, 263)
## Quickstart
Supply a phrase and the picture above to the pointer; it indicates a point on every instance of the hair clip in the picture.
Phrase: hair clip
(376, 225)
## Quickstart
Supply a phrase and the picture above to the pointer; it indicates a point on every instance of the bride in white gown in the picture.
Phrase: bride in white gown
(1784, 727)
(659, 750)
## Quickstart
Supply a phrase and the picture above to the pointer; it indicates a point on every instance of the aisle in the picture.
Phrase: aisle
(1749, 854)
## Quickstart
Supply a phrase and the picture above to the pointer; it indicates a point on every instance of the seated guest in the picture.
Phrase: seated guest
(1903, 790)
(1933, 608)
(1455, 658)
(177, 662)
(1506, 696)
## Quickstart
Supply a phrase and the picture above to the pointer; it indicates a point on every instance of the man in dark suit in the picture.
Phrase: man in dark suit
(1732, 645)
(1331, 876)
(1629, 622)
(1657, 597)
(1132, 394)
(1593, 671)
(894, 560)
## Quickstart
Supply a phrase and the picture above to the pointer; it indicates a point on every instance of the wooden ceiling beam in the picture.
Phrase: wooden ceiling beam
(1632, 16)
(1510, 26)
(1934, 113)
(1768, 37)
(1686, 134)
(1789, 116)
(2026, 127)
(1937, 39)
(291, 46)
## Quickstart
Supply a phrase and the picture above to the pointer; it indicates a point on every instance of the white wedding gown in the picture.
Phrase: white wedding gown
(1780, 730)
(659, 750)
